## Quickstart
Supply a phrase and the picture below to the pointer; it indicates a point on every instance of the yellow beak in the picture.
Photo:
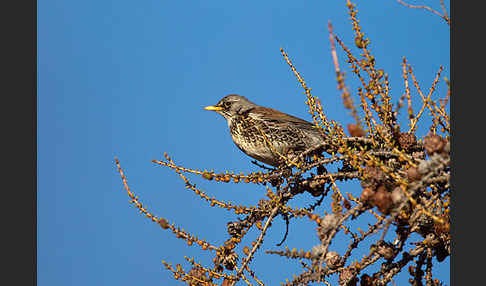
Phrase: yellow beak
(213, 108)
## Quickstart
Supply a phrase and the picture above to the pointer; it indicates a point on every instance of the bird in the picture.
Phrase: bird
(266, 134)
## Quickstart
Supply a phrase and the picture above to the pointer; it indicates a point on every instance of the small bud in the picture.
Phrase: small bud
(207, 175)
(258, 224)
(163, 223)
(308, 255)
(372, 60)
(381, 72)
(358, 41)
(246, 250)
(227, 178)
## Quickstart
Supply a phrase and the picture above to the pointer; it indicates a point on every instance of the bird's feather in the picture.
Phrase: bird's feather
(270, 114)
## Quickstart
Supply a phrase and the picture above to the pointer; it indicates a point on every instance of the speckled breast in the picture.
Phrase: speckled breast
(247, 135)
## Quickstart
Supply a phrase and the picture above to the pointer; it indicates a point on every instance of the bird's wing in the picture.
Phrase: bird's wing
(270, 114)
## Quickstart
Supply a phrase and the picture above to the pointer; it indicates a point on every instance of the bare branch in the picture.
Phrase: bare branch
(443, 16)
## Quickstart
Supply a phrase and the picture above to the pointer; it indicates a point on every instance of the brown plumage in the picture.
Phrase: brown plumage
(247, 121)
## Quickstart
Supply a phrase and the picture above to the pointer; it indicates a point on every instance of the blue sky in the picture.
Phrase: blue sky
(130, 78)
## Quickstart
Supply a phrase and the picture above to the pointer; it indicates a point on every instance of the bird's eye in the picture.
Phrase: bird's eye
(226, 104)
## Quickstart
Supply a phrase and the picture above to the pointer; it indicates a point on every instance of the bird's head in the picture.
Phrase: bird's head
(232, 105)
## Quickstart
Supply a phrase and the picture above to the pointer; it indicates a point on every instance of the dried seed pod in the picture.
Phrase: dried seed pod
(442, 228)
(317, 251)
(333, 260)
(386, 250)
(418, 155)
(413, 174)
(424, 225)
(366, 280)
(263, 203)
(447, 147)
(411, 270)
(407, 141)
(234, 229)
(373, 176)
(228, 258)
(275, 180)
(346, 204)
(321, 170)
(366, 195)
(382, 199)
(315, 188)
(355, 130)
(327, 224)
(433, 143)
(347, 277)
(397, 196)
(441, 252)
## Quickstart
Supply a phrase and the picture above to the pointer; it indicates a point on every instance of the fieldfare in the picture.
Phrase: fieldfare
(263, 133)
